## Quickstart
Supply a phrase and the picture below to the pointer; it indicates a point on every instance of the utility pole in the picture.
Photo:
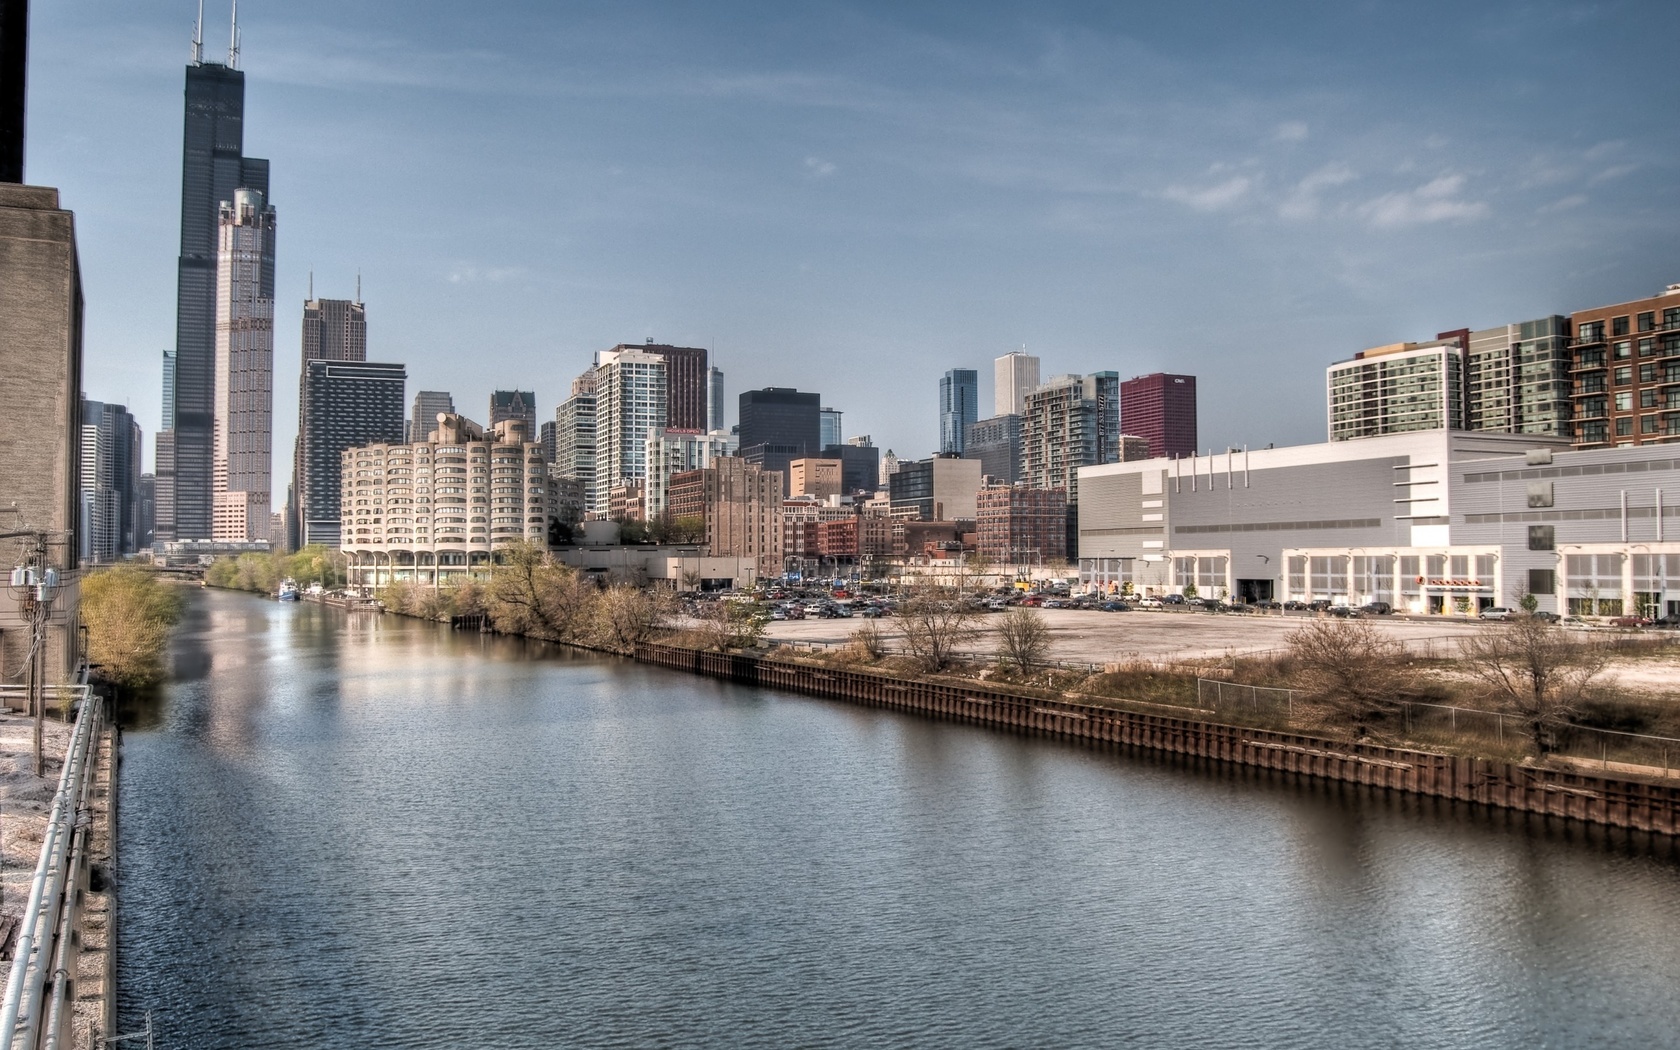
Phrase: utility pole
(34, 585)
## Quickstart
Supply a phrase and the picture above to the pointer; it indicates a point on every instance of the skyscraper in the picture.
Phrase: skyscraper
(574, 437)
(110, 481)
(629, 402)
(1161, 408)
(345, 404)
(1015, 373)
(778, 426)
(688, 384)
(243, 428)
(959, 405)
(719, 407)
(428, 404)
(830, 428)
(333, 330)
(213, 167)
(515, 404)
(1070, 422)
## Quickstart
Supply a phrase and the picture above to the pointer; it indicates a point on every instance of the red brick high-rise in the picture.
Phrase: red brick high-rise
(687, 377)
(1161, 408)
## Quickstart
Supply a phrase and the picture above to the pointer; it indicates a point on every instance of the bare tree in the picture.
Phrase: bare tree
(936, 621)
(1536, 671)
(732, 625)
(869, 641)
(529, 594)
(1354, 674)
(1023, 638)
(625, 617)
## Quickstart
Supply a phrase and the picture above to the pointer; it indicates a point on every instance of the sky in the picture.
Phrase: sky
(853, 198)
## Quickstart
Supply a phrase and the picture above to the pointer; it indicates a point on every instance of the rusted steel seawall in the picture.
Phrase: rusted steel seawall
(1609, 801)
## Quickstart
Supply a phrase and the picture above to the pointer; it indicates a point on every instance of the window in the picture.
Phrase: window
(1648, 425)
(1542, 581)
(1648, 399)
(1647, 320)
(1619, 325)
(1671, 316)
(1540, 494)
(1542, 538)
(1648, 372)
(1592, 332)
(1621, 349)
(1647, 347)
(1624, 427)
(1624, 375)
(1624, 401)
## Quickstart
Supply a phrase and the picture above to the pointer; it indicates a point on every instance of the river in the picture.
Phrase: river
(348, 831)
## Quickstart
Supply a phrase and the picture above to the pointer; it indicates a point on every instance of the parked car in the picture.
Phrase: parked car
(1376, 608)
(1115, 606)
(1630, 621)
(1236, 607)
(1546, 617)
(1150, 603)
(1346, 612)
(1671, 620)
(1172, 599)
(1268, 604)
(1497, 612)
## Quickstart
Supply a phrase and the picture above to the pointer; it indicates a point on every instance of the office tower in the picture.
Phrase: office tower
(889, 467)
(1517, 378)
(574, 437)
(40, 445)
(14, 53)
(959, 405)
(145, 513)
(243, 430)
(213, 167)
(515, 404)
(688, 384)
(629, 402)
(1162, 408)
(719, 410)
(110, 482)
(545, 437)
(428, 405)
(860, 465)
(1385, 390)
(168, 389)
(1627, 372)
(1015, 375)
(671, 452)
(996, 443)
(778, 426)
(1070, 422)
(942, 488)
(334, 330)
(345, 404)
(829, 427)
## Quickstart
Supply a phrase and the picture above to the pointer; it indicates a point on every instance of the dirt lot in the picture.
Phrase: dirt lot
(1100, 637)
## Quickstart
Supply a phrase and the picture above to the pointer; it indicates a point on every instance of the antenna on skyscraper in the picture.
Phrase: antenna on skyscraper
(198, 36)
(358, 286)
(233, 39)
(311, 284)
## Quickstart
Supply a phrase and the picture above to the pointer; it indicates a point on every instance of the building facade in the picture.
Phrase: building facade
(1627, 372)
(778, 426)
(242, 475)
(1015, 374)
(860, 465)
(110, 482)
(942, 488)
(346, 404)
(741, 505)
(996, 443)
(1397, 389)
(820, 478)
(428, 405)
(959, 407)
(1162, 409)
(213, 168)
(1017, 525)
(830, 427)
(1070, 422)
(433, 511)
(515, 404)
(671, 452)
(574, 438)
(1517, 378)
(629, 402)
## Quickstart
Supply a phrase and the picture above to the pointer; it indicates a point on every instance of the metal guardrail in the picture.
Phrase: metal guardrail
(42, 957)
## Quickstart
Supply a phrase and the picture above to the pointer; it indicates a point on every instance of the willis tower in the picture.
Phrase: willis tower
(213, 166)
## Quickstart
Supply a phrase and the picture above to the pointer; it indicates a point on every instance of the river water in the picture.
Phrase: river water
(354, 831)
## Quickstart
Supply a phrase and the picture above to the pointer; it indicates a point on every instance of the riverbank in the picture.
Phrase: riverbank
(1620, 802)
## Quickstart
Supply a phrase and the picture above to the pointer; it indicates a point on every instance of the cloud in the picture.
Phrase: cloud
(1613, 172)
(1291, 131)
(1435, 201)
(818, 168)
(1574, 200)
(1211, 198)
(1303, 201)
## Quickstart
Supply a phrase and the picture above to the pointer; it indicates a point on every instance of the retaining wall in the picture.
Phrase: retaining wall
(1586, 797)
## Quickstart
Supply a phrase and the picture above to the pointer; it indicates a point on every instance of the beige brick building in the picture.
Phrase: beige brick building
(742, 507)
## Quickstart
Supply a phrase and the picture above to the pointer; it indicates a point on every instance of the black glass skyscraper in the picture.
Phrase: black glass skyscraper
(213, 166)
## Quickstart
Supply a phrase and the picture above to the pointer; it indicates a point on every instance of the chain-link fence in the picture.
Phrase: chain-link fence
(1215, 695)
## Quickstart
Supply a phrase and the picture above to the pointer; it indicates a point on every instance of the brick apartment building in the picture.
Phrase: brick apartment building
(1016, 525)
(1627, 372)
(741, 505)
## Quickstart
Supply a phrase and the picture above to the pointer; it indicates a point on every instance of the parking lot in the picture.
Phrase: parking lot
(1099, 637)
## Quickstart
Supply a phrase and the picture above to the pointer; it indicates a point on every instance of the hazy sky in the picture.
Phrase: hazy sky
(853, 198)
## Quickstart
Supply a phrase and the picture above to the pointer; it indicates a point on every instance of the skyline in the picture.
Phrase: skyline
(860, 192)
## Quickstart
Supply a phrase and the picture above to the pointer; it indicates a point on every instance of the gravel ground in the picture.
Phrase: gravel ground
(25, 801)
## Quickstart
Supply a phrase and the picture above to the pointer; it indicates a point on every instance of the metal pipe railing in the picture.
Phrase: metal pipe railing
(19, 1010)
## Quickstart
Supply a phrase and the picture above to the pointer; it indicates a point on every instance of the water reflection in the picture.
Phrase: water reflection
(349, 832)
